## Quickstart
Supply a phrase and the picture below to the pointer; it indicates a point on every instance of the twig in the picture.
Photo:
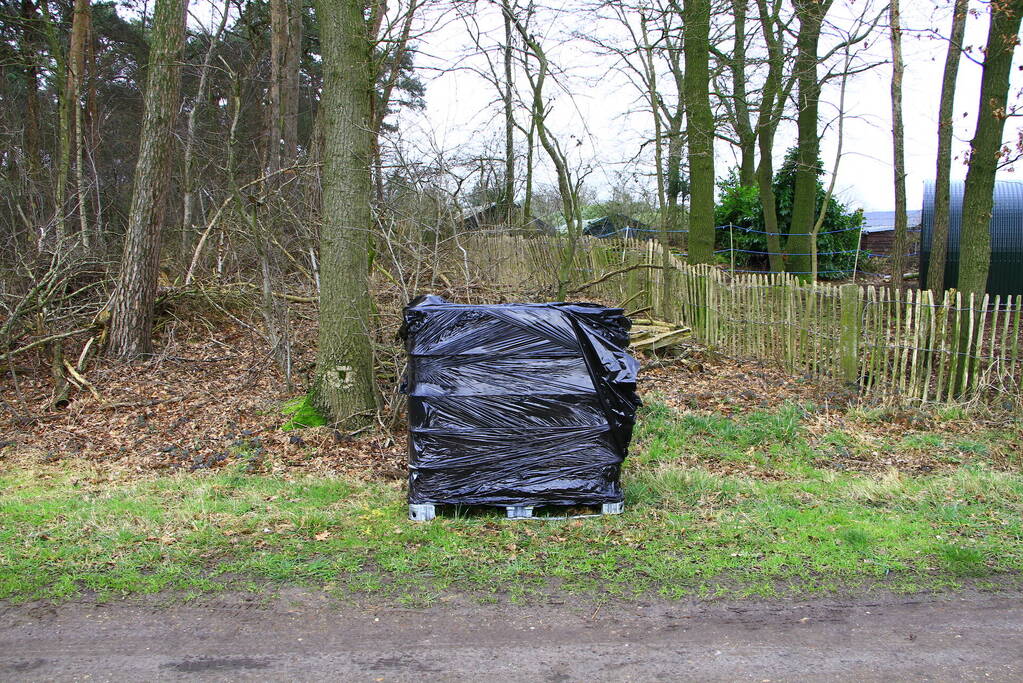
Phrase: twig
(42, 341)
(79, 379)
(141, 404)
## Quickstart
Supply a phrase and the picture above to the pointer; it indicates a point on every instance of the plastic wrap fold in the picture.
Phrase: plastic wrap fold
(517, 404)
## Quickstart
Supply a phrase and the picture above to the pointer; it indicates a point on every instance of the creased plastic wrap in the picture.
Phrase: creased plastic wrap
(517, 404)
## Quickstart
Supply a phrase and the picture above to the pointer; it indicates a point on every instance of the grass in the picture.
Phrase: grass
(696, 523)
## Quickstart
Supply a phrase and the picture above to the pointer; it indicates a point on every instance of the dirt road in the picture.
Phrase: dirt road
(971, 636)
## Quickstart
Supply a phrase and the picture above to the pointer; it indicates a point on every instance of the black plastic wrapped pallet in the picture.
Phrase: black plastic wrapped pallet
(517, 404)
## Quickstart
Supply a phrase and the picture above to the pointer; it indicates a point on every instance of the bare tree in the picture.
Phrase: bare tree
(568, 186)
(942, 195)
(898, 145)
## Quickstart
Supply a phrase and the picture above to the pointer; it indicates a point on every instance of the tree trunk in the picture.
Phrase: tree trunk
(29, 46)
(75, 78)
(569, 192)
(509, 120)
(772, 104)
(743, 126)
(699, 130)
(899, 148)
(650, 76)
(804, 202)
(290, 90)
(275, 108)
(343, 386)
(985, 149)
(131, 322)
(942, 194)
(56, 47)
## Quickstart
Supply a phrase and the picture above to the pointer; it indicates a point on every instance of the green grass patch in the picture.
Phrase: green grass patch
(689, 528)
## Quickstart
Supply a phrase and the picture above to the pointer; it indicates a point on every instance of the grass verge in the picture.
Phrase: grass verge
(792, 524)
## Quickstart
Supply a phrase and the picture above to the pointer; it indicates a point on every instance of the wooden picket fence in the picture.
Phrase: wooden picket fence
(915, 345)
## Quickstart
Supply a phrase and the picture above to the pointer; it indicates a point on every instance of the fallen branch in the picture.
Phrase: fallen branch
(608, 276)
(43, 341)
(80, 380)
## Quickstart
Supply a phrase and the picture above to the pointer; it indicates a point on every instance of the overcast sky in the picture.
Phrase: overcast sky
(600, 108)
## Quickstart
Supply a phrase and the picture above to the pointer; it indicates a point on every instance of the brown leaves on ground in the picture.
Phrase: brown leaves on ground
(210, 398)
(701, 381)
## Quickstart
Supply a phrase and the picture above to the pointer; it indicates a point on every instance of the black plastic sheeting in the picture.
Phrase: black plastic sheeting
(517, 404)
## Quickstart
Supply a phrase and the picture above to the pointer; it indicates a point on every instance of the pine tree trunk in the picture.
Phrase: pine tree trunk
(75, 78)
(131, 322)
(942, 193)
(804, 202)
(699, 130)
(343, 386)
(899, 148)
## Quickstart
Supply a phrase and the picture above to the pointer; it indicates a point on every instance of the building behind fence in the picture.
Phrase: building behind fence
(915, 345)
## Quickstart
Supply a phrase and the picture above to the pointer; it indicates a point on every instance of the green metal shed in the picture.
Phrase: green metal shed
(1006, 274)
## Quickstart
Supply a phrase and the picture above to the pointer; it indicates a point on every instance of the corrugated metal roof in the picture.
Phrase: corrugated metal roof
(1006, 274)
(880, 221)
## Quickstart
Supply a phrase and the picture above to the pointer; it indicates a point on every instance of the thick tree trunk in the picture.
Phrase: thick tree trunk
(699, 130)
(899, 148)
(131, 322)
(985, 149)
(942, 194)
(804, 202)
(978, 194)
(343, 386)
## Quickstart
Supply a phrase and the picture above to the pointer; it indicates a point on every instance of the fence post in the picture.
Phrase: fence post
(851, 312)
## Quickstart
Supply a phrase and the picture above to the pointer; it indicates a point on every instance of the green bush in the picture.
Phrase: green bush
(740, 207)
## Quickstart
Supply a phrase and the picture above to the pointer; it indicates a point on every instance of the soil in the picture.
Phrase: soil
(300, 636)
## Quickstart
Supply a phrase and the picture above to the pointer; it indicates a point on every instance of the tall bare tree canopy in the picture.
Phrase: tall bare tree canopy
(288, 150)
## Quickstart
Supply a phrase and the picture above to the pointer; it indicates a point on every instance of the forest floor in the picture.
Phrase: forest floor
(175, 478)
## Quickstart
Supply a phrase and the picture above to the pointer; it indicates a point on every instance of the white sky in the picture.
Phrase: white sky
(601, 109)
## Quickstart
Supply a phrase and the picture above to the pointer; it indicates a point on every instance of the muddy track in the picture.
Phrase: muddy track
(300, 636)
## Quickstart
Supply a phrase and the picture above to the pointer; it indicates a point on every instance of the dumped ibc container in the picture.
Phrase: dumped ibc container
(517, 405)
